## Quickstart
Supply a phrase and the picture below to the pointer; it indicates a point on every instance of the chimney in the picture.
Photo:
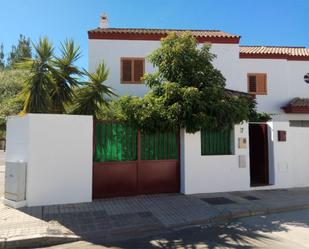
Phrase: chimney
(103, 21)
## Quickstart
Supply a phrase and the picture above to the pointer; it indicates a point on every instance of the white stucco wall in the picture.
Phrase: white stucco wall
(285, 78)
(277, 77)
(58, 152)
(299, 159)
(285, 81)
(279, 157)
(206, 174)
(227, 61)
(111, 51)
(288, 161)
(297, 86)
(17, 139)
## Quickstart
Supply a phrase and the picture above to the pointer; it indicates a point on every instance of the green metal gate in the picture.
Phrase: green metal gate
(130, 162)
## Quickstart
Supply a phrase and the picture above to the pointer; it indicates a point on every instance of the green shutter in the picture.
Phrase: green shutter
(216, 142)
(115, 142)
(159, 146)
(118, 142)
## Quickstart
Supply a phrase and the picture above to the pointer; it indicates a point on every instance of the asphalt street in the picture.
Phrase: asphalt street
(282, 230)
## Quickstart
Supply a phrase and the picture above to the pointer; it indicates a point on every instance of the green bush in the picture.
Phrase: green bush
(11, 81)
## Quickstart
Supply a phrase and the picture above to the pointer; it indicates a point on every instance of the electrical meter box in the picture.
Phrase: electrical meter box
(15, 181)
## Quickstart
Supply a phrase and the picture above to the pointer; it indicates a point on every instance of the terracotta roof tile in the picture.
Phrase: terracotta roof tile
(231, 92)
(297, 105)
(299, 102)
(156, 34)
(196, 33)
(274, 52)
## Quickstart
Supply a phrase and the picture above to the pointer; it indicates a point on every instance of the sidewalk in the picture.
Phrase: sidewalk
(121, 218)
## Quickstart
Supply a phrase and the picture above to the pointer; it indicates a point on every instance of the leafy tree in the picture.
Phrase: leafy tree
(37, 87)
(186, 91)
(64, 73)
(2, 62)
(49, 84)
(10, 86)
(93, 95)
(20, 52)
(254, 116)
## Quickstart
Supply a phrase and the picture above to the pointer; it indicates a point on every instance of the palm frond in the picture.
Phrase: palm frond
(36, 90)
(65, 74)
(93, 94)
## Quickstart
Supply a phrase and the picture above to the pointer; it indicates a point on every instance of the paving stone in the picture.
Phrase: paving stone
(218, 200)
(250, 198)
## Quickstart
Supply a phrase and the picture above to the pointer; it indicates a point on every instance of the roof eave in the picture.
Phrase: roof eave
(273, 56)
(94, 34)
(296, 109)
(237, 93)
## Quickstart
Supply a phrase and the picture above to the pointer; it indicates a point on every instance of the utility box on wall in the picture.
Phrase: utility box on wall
(2, 144)
(282, 136)
(242, 143)
(15, 181)
(242, 161)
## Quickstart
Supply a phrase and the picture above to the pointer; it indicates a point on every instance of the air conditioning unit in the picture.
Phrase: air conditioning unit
(15, 181)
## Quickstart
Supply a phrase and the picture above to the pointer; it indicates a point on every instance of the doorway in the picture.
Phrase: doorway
(259, 163)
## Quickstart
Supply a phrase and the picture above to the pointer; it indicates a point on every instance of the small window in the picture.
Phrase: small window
(299, 123)
(216, 142)
(257, 84)
(132, 70)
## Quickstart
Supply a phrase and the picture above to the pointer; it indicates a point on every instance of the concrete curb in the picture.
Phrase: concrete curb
(242, 214)
(256, 212)
(40, 240)
(37, 240)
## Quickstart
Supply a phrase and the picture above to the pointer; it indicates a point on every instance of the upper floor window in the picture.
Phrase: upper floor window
(132, 70)
(257, 83)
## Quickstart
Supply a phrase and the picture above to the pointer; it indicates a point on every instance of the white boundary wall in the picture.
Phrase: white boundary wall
(206, 174)
(288, 162)
(58, 152)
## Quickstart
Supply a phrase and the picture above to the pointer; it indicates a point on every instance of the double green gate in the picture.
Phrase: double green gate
(130, 162)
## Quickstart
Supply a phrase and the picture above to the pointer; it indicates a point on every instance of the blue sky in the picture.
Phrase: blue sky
(259, 22)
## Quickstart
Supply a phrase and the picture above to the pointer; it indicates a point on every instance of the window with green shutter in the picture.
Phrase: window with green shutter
(216, 142)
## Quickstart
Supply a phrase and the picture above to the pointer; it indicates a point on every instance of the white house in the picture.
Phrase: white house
(277, 77)
(109, 159)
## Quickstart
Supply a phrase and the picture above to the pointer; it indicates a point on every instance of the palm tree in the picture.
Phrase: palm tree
(52, 84)
(93, 94)
(36, 90)
(64, 73)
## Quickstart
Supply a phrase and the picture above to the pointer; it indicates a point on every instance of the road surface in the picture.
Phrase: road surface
(283, 230)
